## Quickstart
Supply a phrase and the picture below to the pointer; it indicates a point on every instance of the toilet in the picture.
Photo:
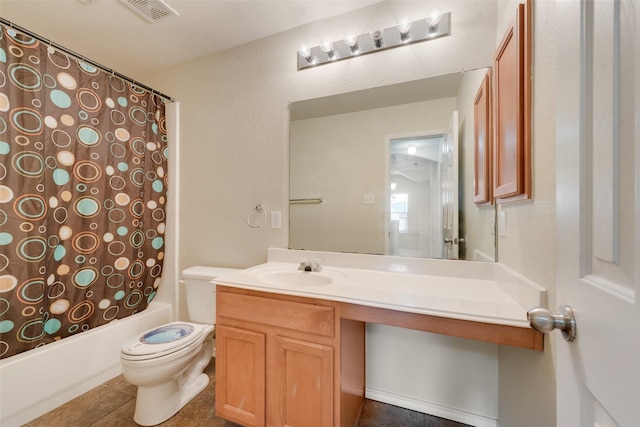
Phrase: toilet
(166, 363)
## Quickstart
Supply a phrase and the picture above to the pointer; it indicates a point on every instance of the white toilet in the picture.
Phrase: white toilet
(167, 362)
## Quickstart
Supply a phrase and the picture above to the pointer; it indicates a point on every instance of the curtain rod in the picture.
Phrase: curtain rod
(13, 26)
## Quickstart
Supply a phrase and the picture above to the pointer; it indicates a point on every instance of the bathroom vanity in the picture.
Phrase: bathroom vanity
(279, 360)
(291, 344)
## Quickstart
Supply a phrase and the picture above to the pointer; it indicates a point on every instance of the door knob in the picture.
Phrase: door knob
(543, 320)
(454, 240)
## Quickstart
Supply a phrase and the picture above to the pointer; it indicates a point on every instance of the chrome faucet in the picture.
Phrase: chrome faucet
(309, 265)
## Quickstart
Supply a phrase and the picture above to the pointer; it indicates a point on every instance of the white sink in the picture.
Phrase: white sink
(297, 278)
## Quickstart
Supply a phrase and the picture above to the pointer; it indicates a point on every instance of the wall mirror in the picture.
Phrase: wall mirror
(377, 172)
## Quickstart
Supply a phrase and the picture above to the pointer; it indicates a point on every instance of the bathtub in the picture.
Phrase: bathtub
(37, 381)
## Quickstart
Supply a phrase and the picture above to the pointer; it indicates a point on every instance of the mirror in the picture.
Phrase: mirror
(345, 155)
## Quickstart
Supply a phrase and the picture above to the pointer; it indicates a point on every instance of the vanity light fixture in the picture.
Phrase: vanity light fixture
(378, 39)
(411, 150)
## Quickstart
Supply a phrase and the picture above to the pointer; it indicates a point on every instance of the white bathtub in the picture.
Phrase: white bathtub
(37, 381)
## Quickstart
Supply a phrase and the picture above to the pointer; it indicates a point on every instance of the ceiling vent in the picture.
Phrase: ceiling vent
(151, 10)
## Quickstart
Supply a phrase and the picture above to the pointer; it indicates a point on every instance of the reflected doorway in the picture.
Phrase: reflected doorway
(426, 164)
(414, 207)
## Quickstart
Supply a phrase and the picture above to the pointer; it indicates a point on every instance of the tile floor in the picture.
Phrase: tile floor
(112, 405)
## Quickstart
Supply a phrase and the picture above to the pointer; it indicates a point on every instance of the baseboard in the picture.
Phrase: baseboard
(430, 408)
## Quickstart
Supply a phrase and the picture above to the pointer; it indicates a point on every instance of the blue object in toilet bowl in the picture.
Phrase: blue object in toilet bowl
(163, 340)
(167, 333)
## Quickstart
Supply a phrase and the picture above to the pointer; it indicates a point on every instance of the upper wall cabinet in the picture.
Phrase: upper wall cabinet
(482, 141)
(512, 111)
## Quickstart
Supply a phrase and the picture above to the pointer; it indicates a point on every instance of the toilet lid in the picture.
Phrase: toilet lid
(162, 340)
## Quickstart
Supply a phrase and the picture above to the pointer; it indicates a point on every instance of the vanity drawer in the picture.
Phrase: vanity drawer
(311, 318)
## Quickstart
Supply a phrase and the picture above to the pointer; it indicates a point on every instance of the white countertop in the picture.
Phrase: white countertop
(464, 298)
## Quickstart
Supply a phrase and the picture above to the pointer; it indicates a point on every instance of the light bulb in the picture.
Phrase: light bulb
(433, 20)
(351, 40)
(327, 47)
(376, 34)
(305, 52)
(404, 27)
(411, 150)
(394, 185)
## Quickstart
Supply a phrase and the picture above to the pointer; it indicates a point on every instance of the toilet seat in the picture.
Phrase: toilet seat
(161, 341)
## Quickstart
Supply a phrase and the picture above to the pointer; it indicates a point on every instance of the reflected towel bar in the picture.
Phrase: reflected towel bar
(306, 201)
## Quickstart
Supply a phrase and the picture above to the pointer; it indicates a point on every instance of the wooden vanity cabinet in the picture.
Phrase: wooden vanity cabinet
(278, 361)
(285, 360)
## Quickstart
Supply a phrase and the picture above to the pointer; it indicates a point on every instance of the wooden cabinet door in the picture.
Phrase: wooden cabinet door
(303, 373)
(240, 375)
(482, 142)
(512, 121)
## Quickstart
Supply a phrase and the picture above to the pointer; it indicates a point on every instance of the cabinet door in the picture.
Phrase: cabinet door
(512, 87)
(303, 373)
(240, 375)
(482, 137)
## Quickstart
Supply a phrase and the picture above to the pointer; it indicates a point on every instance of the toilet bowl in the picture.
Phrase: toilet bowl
(166, 363)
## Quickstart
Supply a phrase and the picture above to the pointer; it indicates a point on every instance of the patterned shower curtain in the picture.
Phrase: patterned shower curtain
(83, 180)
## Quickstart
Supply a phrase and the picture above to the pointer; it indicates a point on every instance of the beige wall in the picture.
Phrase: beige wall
(529, 247)
(234, 151)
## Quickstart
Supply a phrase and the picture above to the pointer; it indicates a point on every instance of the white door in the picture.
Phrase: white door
(598, 205)
(449, 182)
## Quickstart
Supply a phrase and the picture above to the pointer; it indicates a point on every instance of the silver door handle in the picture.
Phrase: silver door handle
(543, 320)
(454, 240)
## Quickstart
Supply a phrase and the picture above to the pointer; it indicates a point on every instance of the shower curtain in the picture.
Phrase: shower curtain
(83, 181)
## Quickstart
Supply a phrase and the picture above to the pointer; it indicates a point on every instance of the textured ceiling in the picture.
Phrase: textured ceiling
(108, 32)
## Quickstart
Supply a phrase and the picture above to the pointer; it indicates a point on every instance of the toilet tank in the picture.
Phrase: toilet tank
(201, 293)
